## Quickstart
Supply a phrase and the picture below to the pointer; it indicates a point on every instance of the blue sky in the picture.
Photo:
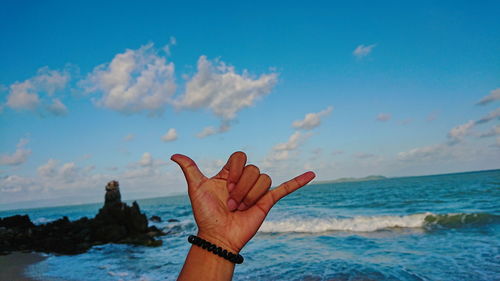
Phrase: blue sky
(89, 91)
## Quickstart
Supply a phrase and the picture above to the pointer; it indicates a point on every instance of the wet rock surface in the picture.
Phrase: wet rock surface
(116, 222)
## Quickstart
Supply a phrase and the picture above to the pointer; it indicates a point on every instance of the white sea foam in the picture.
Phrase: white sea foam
(42, 220)
(355, 224)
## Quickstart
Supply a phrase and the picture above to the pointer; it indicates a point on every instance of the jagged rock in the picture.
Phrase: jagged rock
(155, 219)
(16, 221)
(113, 195)
(116, 222)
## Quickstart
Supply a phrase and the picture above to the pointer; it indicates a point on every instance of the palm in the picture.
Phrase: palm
(221, 221)
(212, 215)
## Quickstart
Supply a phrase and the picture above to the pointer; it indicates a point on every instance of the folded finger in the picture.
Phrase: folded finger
(260, 188)
(247, 180)
(231, 172)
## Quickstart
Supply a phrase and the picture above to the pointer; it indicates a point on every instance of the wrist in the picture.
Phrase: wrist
(219, 241)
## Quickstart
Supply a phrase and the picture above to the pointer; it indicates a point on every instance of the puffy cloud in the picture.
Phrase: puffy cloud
(23, 96)
(283, 151)
(459, 132)
(383, 117)
(65, 173)
(57, 108)
(362, 51)
(48, 169)
(134, 81)
(146, 160)
(220, 89)
(207, 131)
(292, 143)
(493, 96)
(68, 172)
(420, 153)
(171, 135)
(14, 183)
(146, 166)
(312, 120)
(210, 130)
(30, 94)
(492, 115)
(19, 156)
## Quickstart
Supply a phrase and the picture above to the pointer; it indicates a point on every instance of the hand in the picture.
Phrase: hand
(230, 207)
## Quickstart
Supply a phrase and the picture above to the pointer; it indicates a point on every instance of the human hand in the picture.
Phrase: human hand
(230, 206)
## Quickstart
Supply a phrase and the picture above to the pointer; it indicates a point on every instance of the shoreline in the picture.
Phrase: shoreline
(13, 266)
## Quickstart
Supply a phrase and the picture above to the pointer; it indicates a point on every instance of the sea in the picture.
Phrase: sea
(440, 227)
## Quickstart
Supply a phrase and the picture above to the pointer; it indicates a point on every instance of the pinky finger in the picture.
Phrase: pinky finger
(273, 196)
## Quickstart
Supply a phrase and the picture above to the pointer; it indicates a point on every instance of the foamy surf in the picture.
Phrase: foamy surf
(376, 223)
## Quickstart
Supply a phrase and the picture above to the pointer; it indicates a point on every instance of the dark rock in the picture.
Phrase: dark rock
(16, 221)
(155, 219)
(116, 222)
(173, 220)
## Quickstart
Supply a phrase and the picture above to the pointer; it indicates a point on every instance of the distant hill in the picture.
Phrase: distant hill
(368, 178)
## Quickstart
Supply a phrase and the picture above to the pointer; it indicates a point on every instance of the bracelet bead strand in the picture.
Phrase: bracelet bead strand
(223, 253)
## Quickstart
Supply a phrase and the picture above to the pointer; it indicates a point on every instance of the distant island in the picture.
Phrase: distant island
(368, 178)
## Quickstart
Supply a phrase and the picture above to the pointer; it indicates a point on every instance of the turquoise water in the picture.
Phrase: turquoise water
(444, 227)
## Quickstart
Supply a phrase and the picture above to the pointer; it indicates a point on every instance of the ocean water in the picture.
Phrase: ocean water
(444, 227)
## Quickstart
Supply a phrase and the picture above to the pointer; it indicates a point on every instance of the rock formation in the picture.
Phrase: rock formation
(116, 222)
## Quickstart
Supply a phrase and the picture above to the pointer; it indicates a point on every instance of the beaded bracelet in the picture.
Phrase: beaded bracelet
(200, 242)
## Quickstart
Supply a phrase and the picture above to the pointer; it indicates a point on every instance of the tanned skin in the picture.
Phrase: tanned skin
(228, 209)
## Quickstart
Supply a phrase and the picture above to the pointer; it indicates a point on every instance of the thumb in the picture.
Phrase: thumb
(191, 172)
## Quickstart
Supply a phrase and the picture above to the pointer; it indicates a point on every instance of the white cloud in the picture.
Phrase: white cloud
(312, 120)
(57, 108)
(362, 51)
(30, 94)
(492, 115)
(220, 89)
(420, 153)
(210, 130)
(171, 135)
(283, 151)
(459, 132)
(134, 81)
(146, 160)
(22, 95)
(68, 172)
(48, 169)
(383, 117)
(19, 156)
(63, 174)
(207, 131)
(293, 142)
(493, 96)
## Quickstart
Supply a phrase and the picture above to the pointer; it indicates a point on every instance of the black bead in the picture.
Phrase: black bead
(211, 248)
(223, 253)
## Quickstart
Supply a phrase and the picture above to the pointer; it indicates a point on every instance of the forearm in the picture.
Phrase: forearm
(203, 265)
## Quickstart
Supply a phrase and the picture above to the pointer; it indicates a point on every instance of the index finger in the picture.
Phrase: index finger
(273, 196)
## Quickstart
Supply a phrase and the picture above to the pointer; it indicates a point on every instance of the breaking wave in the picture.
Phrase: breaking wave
(427, 221)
